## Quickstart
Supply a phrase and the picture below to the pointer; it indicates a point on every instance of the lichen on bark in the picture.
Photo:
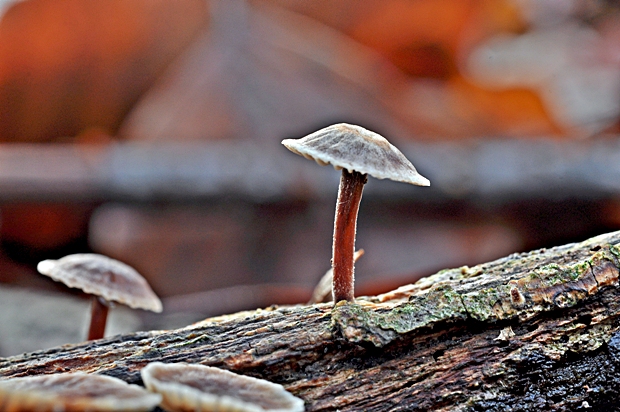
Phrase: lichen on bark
(540, 282)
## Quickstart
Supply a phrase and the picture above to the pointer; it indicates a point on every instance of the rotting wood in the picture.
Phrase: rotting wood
(533, 331)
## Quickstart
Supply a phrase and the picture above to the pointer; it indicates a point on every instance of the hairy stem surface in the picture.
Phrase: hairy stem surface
(345, 223)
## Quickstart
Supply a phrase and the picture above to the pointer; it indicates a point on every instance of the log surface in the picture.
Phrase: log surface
(533, 331)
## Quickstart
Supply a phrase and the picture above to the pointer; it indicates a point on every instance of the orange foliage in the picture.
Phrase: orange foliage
(43, 226)
(70, 64)
(514, 112)
(431, 39)
(422, 37)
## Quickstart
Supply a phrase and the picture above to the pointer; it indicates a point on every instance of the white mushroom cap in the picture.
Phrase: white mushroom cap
(102, 276)
(188, 387)
(74, 392)
(351, 147)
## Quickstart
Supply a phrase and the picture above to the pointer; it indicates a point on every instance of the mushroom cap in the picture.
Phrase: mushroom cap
(74, 392)
(351, 147)
(102, 276)
(188, 387)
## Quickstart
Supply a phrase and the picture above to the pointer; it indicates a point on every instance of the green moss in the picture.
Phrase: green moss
(614, 250)
(544, 288)
(194, 339)
(579, 270)
(444, 271)
(359, 323)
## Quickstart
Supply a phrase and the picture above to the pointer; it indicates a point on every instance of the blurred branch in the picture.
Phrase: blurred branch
(500, 170)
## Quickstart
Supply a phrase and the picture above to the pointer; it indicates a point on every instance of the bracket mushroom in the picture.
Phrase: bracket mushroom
(194, 387)
(107, 280)
(74, 391)
(358, 152)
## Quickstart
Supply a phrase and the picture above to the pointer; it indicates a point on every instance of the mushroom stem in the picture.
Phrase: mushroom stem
(98, 318)
(345, 223)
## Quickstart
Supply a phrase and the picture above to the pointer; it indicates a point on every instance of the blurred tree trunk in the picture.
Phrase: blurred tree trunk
(535, 331)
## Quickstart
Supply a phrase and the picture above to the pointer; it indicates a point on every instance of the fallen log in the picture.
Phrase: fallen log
(531, 331)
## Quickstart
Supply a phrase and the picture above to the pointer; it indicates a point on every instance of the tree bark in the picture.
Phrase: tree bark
(532, 331)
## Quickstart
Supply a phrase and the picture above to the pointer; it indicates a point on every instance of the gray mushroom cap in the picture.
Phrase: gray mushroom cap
(102, 276)
(351, 147)
(74, 392)
(193, 387)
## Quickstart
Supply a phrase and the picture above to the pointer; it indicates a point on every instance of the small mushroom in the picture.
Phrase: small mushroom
(108, 280)
(188, 387)
(516, 297)
(358, 152)
(321, 292)
(74, 392)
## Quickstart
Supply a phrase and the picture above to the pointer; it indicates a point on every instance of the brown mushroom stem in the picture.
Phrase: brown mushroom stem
(98, 318)
(345, 223)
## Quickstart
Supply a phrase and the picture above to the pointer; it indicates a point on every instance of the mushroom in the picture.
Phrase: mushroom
(108, 280)
(74, 392)
(191, 387)
(358, 152)
(321, 292)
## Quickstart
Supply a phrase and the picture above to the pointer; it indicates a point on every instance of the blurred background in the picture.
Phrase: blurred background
(150, 130)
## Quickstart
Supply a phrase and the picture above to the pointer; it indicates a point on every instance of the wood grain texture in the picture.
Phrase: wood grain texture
(529, 331)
